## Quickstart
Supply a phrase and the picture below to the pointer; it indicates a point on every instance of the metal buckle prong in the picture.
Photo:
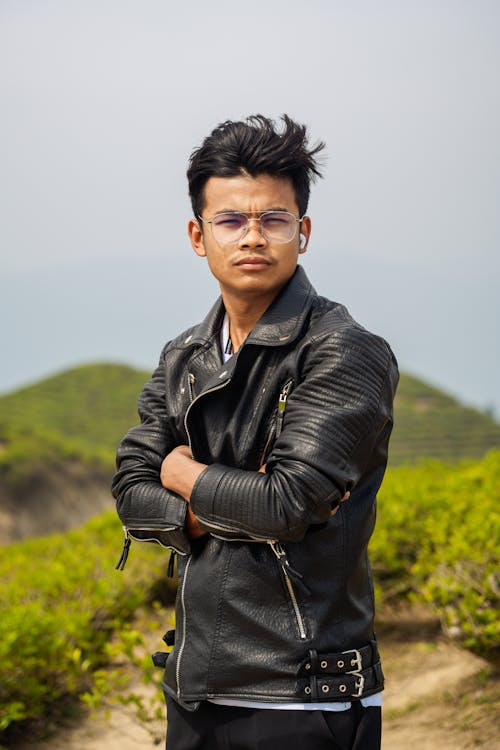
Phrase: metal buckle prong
(359, 685)
(358, 661)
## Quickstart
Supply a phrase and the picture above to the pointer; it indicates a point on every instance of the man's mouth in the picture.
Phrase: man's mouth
(253, 261)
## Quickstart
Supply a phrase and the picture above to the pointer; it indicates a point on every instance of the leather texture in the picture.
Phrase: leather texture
(278, 575)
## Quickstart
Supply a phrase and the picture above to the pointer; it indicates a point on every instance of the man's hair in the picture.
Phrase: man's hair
(255, 147)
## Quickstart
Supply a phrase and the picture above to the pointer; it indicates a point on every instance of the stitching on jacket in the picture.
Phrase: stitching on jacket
(219, 615)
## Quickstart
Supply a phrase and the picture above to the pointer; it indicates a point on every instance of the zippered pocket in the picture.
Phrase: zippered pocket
(277, 421)
(288, 573)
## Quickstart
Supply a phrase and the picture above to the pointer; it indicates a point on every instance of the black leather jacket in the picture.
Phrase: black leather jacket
(278, 581)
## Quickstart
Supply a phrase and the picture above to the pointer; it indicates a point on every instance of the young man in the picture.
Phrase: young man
(257, 424)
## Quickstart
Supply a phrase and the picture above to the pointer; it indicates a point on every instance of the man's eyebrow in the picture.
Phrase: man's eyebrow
(249, 213)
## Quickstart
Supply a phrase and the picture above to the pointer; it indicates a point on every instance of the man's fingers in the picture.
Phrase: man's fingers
(342, 500)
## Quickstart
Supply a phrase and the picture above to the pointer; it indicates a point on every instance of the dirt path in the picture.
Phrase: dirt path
(437, 697)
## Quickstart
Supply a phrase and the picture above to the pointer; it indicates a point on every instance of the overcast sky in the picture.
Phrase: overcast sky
(102, 102)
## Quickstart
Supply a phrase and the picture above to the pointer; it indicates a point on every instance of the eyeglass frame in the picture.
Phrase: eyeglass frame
(249, 219)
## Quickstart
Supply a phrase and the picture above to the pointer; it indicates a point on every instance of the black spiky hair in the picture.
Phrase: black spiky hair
(255, 146)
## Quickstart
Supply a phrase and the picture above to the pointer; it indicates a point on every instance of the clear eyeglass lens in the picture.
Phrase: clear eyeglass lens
(277, 226)
(228, 227)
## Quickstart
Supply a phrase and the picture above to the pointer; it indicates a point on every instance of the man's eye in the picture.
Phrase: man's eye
(230, 222)
(275, 220)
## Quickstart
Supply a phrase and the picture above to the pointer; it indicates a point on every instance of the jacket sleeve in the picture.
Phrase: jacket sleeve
(147, 510)
(335, 416)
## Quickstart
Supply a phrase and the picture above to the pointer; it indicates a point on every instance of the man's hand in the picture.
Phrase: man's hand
(342, 500)
(192, 526)
(179, 472)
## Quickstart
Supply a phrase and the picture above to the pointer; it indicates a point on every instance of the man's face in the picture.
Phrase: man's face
(253, 268)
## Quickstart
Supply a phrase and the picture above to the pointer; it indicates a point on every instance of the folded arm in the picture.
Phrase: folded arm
(335, 416)
(142, 502)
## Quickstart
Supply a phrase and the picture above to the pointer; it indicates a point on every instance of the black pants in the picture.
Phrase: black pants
(215, 727)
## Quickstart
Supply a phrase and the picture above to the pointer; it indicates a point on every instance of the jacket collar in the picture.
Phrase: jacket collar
(280, 324)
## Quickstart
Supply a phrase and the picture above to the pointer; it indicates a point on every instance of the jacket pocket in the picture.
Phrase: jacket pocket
(277, 421)
(291, 579)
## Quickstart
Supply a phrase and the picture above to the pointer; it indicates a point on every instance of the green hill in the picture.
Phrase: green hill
(89, 407)
(57, 446)
(431, 424)
(83, 413)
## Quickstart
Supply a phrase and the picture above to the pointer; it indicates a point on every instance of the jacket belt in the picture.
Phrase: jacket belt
(341, 675)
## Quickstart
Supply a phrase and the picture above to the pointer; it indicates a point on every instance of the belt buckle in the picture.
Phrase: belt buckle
(357, 661)
(359, 685)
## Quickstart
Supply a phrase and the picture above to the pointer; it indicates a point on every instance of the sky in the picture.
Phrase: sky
(103, 101)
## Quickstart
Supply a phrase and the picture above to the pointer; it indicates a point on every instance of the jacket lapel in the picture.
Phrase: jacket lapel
(280, 325)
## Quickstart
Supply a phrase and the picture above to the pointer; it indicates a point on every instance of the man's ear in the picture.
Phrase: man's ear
(196, 236)
(305, 233)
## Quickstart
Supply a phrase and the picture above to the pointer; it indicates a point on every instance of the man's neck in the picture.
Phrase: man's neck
(243, 314)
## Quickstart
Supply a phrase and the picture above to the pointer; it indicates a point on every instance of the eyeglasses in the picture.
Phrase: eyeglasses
(275, 226)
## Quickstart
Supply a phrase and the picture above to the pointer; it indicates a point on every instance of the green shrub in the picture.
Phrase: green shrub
(437, 540)
(61, 599)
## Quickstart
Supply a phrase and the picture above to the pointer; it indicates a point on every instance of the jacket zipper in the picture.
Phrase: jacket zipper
(183, 641)
(287, 570)
(129, 535)
(219, 387)
(277, 423)
(191, 382)
(275, 545)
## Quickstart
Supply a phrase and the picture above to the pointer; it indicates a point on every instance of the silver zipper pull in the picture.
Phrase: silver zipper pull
(278, 550)
(287, 568)
(285, 392)
(191, 382)
(283, 560)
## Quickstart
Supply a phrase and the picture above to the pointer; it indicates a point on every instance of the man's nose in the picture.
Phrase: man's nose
(253, 236)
